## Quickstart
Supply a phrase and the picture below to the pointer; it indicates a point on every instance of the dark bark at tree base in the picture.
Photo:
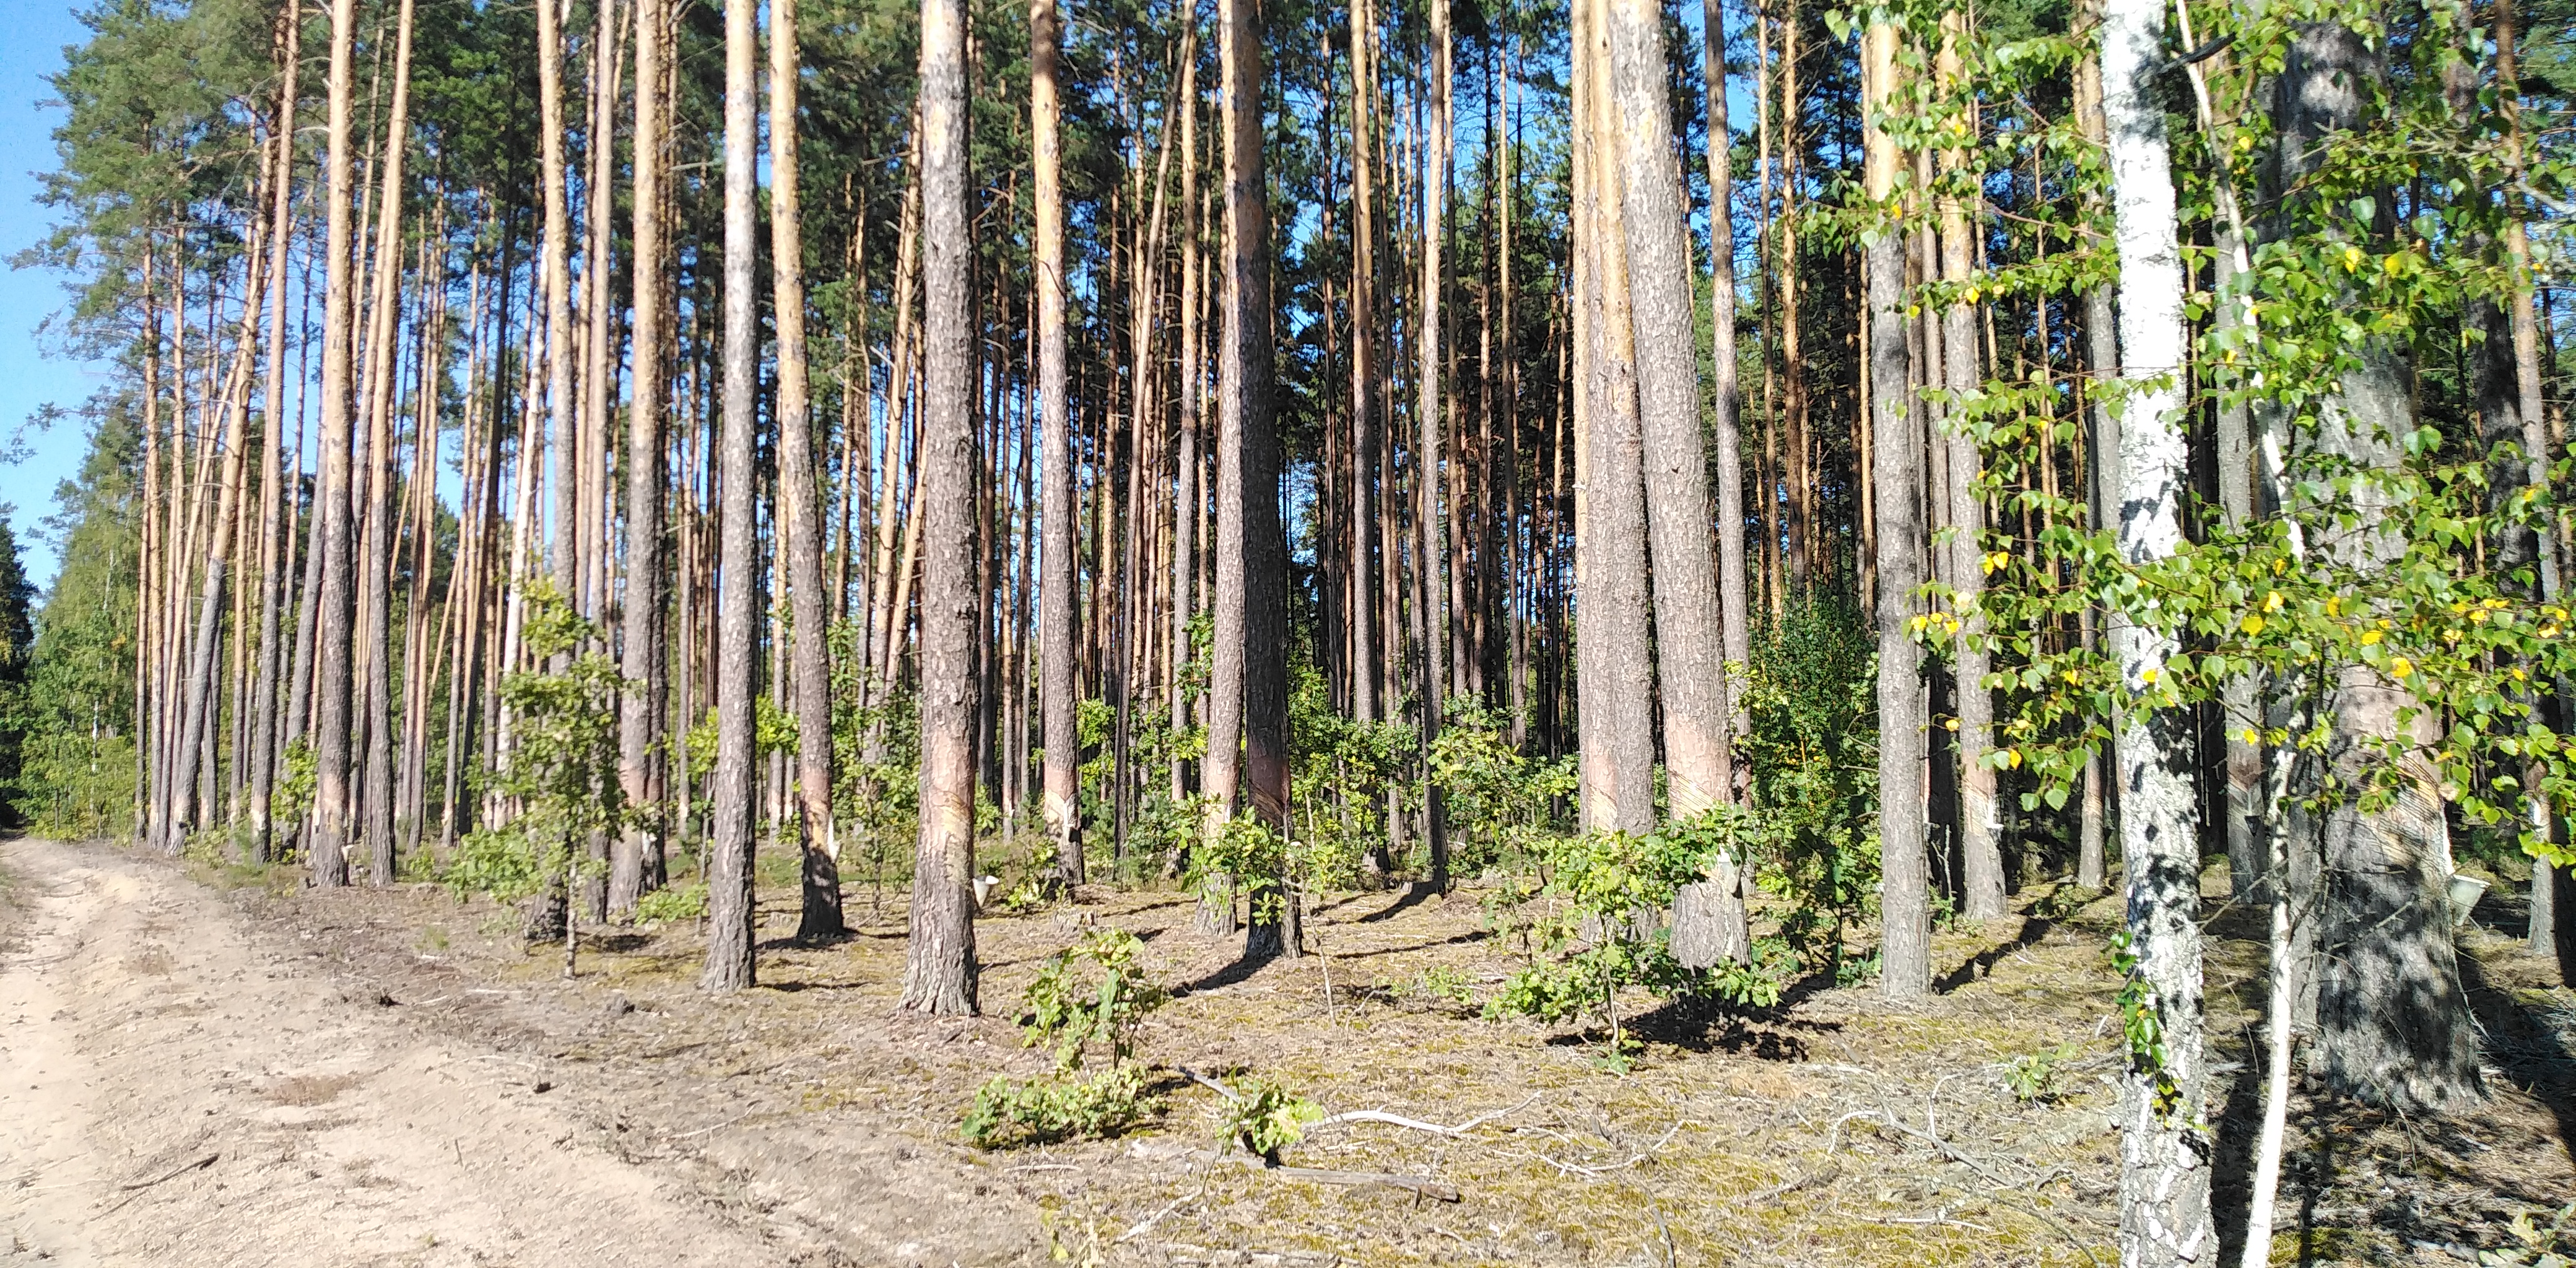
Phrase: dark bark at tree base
(822, 918)
(2390, 1007)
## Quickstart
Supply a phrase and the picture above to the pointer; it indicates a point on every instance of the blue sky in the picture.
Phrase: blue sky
(28, 377)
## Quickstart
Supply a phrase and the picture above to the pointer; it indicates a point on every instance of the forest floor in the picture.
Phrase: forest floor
(213, 1066)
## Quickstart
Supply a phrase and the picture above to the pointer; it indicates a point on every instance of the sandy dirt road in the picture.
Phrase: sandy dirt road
(174, 1092)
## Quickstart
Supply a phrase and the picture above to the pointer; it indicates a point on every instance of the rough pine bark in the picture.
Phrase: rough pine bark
(276, 505)
(1690, 641)
(1060, 803)
(729, 964)
(939, 965)
(2392, 1021)
(643, 665)
(1256, 602)
(328, 854)
(800, 510)
(1613, 645)
(1896, 438)
(2165, 1144)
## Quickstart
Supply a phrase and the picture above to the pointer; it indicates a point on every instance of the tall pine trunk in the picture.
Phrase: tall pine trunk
(328, 854)
(939, 967)
(1250, 696)
(730, 918)
(800, 508)
(1896, 477)
(643, 665)
(1690, 641)
(1060, 803)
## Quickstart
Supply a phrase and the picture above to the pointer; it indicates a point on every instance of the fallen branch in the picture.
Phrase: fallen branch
(180, 1170)
(1398, 1120)
(135, 1190)
(1642, 1155)
(1211, 1084)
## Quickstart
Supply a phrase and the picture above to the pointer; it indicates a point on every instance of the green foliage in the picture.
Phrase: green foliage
(876, 755)
(76, 761)
(561, 772)
(1263, 1118)
(1093, 992)
(1589, 928)
(2385, 560)
(2142, 1026)
(1340, 772)
(1810, 695)
(2039, 1077)
(2534, 1246)
(675, 902)
(1501, 804)
(1442, 982)
(1008, 1114)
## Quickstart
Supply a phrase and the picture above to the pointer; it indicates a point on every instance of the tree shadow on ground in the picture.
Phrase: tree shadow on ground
(1241, 970)
(1472, 935)
(2033, 928)
(1707, 1026)
(2355, 1175)
(1415, 894)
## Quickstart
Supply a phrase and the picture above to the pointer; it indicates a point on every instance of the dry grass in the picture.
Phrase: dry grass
(1765, 1138)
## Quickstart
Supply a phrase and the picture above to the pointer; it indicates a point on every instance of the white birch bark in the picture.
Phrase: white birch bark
(2164, 1149)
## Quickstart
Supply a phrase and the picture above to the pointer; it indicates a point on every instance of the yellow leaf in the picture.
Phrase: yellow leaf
(1951, 725)
(2252, 736)
(2351, 259)
(2400, 667)
(2013, 756)
(2253, 623)
(2148, 675)
(2272, 600)
(2369, 637)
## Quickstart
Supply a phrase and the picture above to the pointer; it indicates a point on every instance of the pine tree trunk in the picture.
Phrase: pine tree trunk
(277, 505)
(2544, 935)
(1429, 340)
(2392, 1020)
(730, 918)
(328, 853)
(1896, 435)
(1980, 851)
(1187, 497)
(800, 510)
(2165, 1145)
(376, 590)
(1690, 637)
(1251, 600)
(1734, 608)
(1060, 802)
(2102, 359)
(940, 966)
(1618, 705)
(643, 665)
